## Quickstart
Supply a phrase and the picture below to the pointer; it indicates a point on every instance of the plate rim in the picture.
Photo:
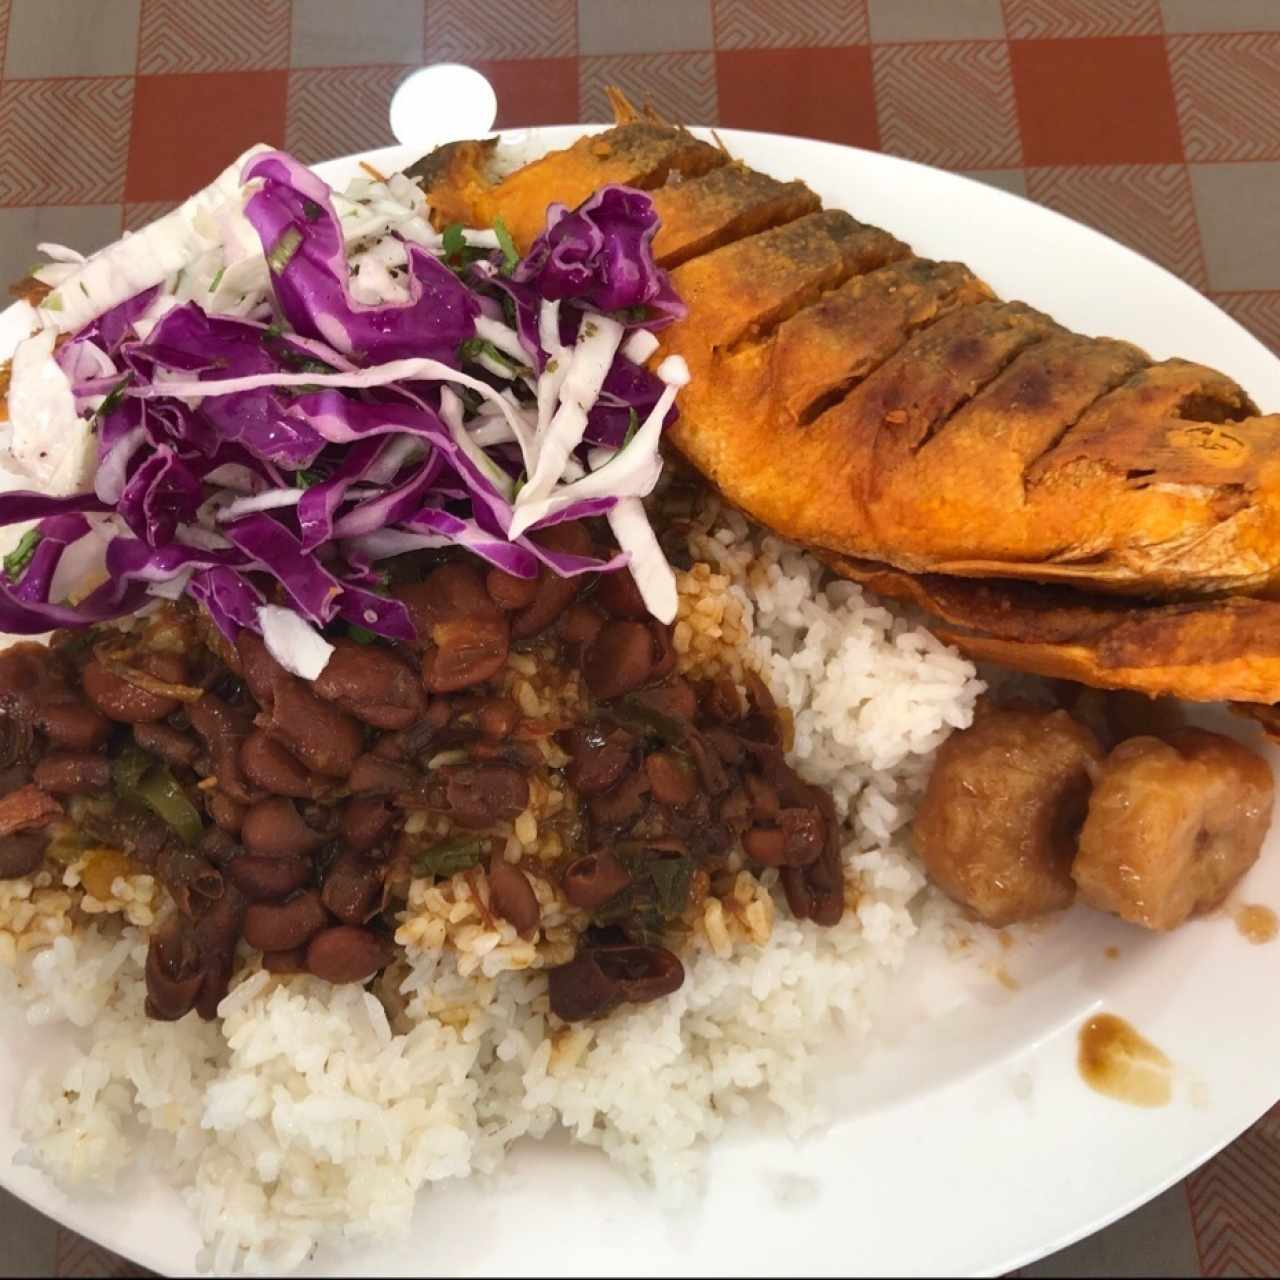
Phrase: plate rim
(40, 1193)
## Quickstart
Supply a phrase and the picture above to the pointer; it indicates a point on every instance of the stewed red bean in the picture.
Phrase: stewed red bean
(216, 931)
(512, 897)
(226, 812)
(554, 594)
(464, 652)
(618, 660)
(268, 878)
(285, 962)
(373, 684)
(352, 889)
(600, 978)
(280, 926)
(72, 724)
(347, 953)
(579, 625)
(69, 773)
(766, 845)
(222, 728)
(33, 682)
(674, 699)
(664, 649)
(480, 795)
(323, 738)
(270, 765)
(599, 756)
(166, 742)
(372, 775)
(593, 879)
(259, 668)
(673, 782)
(274, 828)
(366, 820)
(509, 592)
(497, 718)
(618, 806)
(173, 971)
(27, 808)
(618, 595)
(119, 699)
(20, 854)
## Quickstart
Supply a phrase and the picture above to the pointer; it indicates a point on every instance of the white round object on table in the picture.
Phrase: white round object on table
(441, 103)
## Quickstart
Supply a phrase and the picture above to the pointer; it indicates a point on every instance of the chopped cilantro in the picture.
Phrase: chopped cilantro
(283, 250)
(113, 398)
(671, 878)
(18, 559)
(217, 280)
(474, 348)
(633, 425)
(510, 255)
(453, 240)
(83, 289)
(448, 857)
(360, 635)
(305, 478)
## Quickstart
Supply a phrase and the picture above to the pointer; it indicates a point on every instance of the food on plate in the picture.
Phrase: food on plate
(1172, 826)
(1024, 807)
(1207, 650)
(893, 413)
(416, 756)
(997, 826)
(391, 703)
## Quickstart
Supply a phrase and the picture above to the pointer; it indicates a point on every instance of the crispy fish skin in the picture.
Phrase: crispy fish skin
(722, 205)
(640, 154)
(1201, 650)
(1062, 503)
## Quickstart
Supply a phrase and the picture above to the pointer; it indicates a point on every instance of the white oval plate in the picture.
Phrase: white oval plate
(973, 1147)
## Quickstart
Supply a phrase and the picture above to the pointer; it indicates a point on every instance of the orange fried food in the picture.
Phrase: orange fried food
(1172, 827)
(893, 414)
(997, 826)
(1202, 650)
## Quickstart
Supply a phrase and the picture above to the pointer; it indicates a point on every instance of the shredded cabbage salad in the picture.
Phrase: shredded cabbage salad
(260, 396)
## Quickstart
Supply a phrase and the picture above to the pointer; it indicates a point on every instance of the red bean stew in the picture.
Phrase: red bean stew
(274, 810)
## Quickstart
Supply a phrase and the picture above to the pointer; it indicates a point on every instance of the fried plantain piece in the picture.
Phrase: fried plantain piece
(729, 202)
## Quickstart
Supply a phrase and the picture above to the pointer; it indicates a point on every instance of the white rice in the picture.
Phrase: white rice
(303, 1119)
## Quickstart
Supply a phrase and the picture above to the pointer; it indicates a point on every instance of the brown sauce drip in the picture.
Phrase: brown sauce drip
(1115, 1060)
(1257, 923)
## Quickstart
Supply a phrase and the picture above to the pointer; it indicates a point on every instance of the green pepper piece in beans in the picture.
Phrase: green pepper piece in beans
(142, 779)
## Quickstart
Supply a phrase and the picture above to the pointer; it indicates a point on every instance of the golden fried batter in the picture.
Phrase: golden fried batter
(890, 411)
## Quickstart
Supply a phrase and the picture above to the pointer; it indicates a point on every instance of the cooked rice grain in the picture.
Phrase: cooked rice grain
(304, 1118)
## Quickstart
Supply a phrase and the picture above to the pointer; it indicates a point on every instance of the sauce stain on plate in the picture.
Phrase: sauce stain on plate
(1257, 923)
(1117, 1061)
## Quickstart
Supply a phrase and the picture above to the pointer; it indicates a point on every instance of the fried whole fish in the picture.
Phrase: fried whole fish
(890, 411)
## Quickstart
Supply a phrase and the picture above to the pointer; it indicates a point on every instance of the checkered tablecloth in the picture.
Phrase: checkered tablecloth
(1157, 121)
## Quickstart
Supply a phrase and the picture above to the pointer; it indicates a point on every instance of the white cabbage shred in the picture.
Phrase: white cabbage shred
(207, 251)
